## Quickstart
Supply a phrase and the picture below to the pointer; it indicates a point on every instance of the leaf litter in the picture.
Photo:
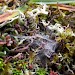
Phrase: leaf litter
(37, 39)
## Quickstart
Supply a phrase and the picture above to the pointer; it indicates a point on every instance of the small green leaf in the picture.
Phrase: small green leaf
(41, 71)
(1, 48)
(59, 67)
(2, 54)
(22, 8)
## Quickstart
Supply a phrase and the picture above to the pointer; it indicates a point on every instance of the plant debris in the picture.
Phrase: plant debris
(36, 39)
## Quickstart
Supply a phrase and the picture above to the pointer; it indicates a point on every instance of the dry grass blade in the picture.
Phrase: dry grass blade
(51, 1)
(8, 16)
(2, 43)
(65, 7)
